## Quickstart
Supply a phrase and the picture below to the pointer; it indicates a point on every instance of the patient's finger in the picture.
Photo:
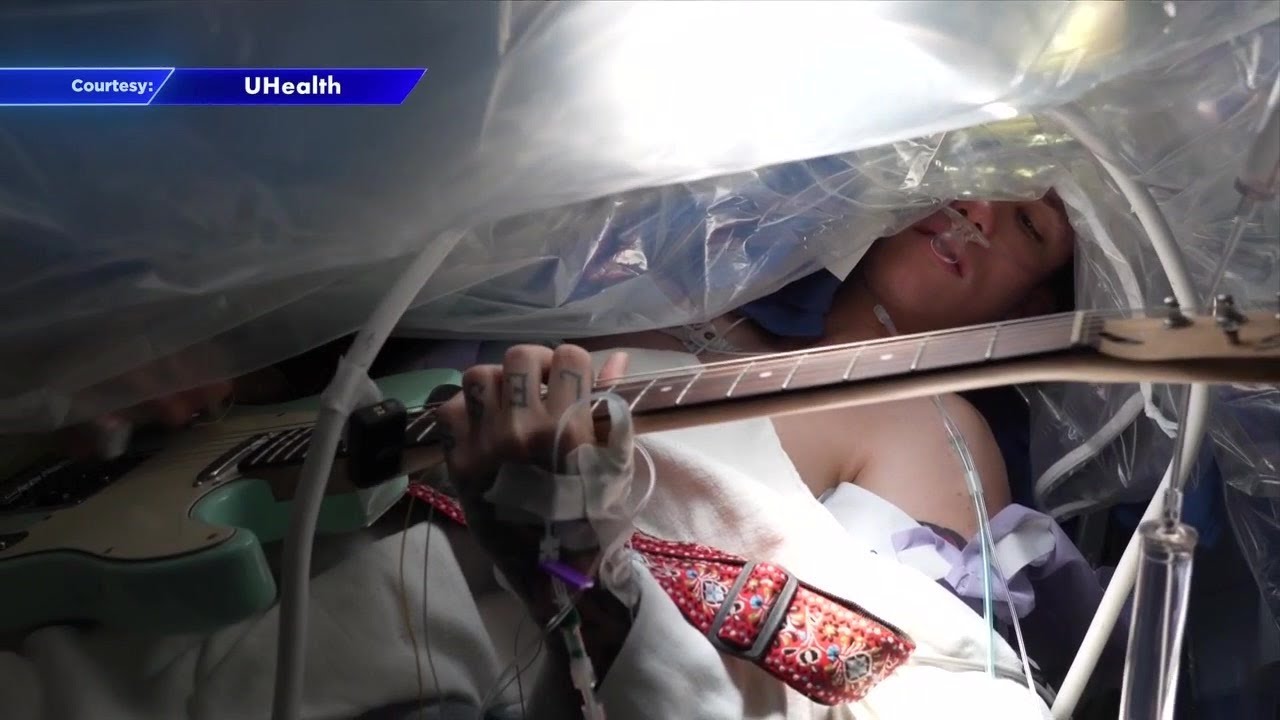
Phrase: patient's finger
(569, 379)
(568, 383)
(614, 367)
(480, 388)
(523, 368)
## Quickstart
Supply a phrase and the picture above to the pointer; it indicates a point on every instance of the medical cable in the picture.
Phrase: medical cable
(349, 388)
(1257, 181)
(408, 617)
(973, 481)
(975, 494)
(503, 681)
(1165, 244)
(426, 622)
(581, 670)
(987, 541)
(696, 348)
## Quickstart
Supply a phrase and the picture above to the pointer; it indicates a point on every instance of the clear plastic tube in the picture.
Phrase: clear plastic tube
(1159, 617)
(980, 511)
(1244, 213)
(973, 481)
(990, 562)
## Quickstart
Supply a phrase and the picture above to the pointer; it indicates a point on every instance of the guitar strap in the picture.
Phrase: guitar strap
(826, 648)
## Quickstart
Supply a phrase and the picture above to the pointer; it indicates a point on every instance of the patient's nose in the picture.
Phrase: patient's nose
(978, 212)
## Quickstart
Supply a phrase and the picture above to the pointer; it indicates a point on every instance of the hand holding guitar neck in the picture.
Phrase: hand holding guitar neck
(501, 418)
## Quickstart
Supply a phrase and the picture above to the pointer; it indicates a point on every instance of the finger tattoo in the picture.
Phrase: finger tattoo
(576, 377)
(519, 383)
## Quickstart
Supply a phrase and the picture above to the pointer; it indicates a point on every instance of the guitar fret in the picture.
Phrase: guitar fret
(919, 351)
(644, 390)
(991, 346)
(799, 362)
(596, 405)
(738, 379)
(853, 361)
(680, 397)
(413, 422)
(301, 450)
(423, 435)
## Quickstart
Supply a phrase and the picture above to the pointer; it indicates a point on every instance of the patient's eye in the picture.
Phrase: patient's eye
(1028, 226)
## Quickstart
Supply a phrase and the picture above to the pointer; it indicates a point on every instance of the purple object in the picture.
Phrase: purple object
(1055, 593)
(965, 577)
(567, 575)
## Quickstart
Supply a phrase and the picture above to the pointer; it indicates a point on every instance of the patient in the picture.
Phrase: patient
(1026, 271)
(895, 453)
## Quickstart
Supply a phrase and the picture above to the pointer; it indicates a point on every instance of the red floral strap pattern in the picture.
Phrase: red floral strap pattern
(828, 649)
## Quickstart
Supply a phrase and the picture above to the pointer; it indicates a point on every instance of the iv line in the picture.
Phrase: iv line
(973, 482)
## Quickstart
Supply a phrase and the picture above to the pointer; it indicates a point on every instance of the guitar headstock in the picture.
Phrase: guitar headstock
(1227, 333)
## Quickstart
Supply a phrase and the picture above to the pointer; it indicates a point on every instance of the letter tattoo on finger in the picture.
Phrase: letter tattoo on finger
(519, 383)
(576, 377)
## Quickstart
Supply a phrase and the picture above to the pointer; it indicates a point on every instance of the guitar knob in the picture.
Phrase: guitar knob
(1173, 315)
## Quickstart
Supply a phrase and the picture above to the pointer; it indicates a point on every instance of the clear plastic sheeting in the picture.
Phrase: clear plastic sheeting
(183, 244)
(618, 166)
(1183, 130)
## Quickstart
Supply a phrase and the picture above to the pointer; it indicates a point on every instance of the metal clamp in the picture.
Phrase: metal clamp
(768, 626)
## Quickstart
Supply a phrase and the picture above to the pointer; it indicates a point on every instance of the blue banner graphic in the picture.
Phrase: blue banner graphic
(46, 87)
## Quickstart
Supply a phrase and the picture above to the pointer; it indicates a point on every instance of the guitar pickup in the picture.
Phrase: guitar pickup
(375, 443)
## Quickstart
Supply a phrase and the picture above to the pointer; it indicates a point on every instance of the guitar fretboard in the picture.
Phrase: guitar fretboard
(762, 375)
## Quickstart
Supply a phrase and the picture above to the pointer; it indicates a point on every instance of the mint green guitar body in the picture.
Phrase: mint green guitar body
(158, 550)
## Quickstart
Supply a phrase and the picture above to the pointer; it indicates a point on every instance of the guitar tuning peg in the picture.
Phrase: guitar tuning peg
(1173, 315)
(1227, 317)
(1224, 310)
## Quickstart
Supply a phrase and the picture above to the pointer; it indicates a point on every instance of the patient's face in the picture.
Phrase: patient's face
(923, 291)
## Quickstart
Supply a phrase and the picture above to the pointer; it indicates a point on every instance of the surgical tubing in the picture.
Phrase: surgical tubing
(1162, 239)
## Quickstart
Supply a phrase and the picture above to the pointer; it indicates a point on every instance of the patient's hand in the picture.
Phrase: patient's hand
(501, 417)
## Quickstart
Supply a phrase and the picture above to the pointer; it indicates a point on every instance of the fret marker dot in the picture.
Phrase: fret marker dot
(665, 388)
(766, 373)
(887, 356)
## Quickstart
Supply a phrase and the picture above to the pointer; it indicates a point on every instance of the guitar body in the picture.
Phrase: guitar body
(144, 544)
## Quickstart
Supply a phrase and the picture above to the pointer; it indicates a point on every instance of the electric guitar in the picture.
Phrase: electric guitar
(171, 538)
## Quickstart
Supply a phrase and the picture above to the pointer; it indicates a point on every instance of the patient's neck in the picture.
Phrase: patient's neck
(851, 319)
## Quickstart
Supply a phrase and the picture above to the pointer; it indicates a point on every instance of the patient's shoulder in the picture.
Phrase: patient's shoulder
(898, 438)
(911, 462)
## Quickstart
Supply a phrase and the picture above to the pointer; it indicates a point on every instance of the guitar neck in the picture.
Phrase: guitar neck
(1070, 347)
(842, 364)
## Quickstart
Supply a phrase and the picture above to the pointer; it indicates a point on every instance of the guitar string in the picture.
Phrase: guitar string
(228, 442)
(736, 368)
(1039, 329)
